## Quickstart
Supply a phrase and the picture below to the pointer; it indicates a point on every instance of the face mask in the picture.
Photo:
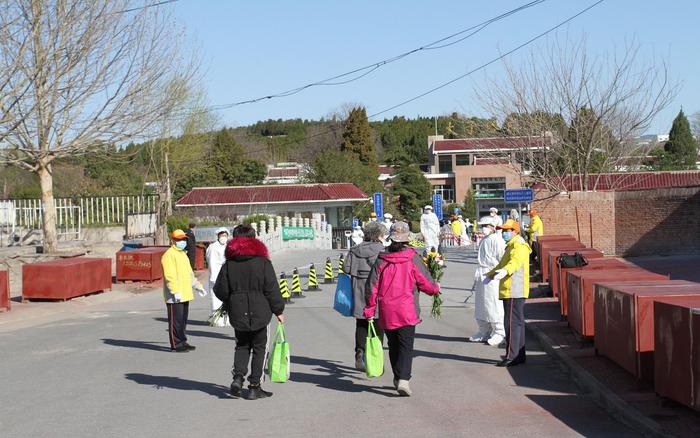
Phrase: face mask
(486, 231)
(223, 240)
(507, 235)
(181, 244)
(492, 214)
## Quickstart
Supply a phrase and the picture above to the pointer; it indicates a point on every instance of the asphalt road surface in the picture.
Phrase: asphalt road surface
(105, 370)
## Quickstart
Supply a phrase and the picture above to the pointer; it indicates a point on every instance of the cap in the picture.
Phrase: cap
(399, 232)
(373, 214)
(486, 220)
(388, 216)
(428, 207)
(510, 225)
(493, 209)
(459, 216)
(178, 234)
(222, 230)
(533, 213)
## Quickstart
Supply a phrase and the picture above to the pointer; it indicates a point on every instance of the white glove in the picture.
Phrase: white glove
(500, 274)
(177, 297)
(201, 292)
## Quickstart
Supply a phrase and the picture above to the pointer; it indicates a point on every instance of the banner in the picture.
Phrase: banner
(297, 233)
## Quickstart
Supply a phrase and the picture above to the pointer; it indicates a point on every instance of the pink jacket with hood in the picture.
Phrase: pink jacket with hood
(393, 285)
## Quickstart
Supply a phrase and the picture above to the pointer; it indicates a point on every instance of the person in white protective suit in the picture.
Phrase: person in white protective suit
(488, 308)
(215, 260)
(388, 221)
(357, 236)
(430, 228)
(464, 238)
(493, 212)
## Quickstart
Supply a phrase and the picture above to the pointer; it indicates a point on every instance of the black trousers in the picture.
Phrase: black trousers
(361, 330)
(401, 350)
(515, 327)
(247, 342)
(177, 323)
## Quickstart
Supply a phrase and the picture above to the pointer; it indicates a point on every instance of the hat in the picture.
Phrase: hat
(373, 214)
(428, 207)
(486, 220)
(388, 216)
(178, 235)
(399, 232)
(459, 216)
(533, 213)
(493, 209)
(510, 225)
(222, 230)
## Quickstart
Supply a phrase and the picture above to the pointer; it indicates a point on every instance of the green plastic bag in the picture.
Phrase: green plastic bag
(278, 365)
(374, 353)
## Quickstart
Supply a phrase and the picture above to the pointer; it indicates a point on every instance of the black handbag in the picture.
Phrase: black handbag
(576, 260)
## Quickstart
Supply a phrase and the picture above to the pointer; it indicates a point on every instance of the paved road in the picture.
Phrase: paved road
(105, 370)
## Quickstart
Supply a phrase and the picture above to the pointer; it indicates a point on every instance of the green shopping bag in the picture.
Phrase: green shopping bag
(278, 364)
(374, 353)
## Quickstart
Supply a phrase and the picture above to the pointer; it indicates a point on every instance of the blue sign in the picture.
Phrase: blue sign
(437, 205)
(355, 222)
(518, 195)
(379, 204)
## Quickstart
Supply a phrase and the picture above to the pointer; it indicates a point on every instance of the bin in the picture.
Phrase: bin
(677, 350)
(553, 267)
(66, 278)
(546, 247)
(552, 238)
(625, 318)
(142, 264)
(5, 299)
(594, 264)
(130, 246)
(581, 314)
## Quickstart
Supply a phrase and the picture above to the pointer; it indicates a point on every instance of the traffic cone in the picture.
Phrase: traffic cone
(284, 289)
(328, 272)
(341, 260)
(313, 280)
(296, 285)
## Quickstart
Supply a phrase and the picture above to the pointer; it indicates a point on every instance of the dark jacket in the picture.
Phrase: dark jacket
(191, 248)
(248, 284)
(358, 264)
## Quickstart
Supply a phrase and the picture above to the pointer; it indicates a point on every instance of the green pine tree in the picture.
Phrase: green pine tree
(680, 151)
(413, 191)
(357, 137)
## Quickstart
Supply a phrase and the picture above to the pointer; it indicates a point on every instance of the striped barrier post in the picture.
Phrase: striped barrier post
(284, 289)
(296, 284)
(328, 272)
(341, 260)
(313, 279)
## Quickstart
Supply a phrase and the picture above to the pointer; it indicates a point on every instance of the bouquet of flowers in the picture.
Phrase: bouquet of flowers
(417, 243)
(436, 264)
(219, 317)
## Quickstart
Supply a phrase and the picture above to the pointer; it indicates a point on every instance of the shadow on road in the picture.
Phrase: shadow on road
(212, 334)
(136, 344)
(334, 376)
(189, 322)
(449, 356)
(160, 382)
(441, 338)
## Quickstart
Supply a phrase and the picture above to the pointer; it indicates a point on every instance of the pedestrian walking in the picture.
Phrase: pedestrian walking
(248, 283)
(464, 237)
(513, 274)
(178, 284)
(357, 235)
(215, 260)
(394, 283)
(536, 228)
(358, 265)
(430, 228)
(488, 308)
(191, 245)
(457, 229)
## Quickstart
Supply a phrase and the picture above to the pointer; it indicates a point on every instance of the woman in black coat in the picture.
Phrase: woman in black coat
(247, 283)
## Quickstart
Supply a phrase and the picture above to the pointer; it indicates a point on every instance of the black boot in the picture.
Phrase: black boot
(255, 392)
(236, 385)
(359, 360)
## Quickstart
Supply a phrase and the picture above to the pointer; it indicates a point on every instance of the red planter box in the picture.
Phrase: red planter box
(594, 264)
(545, 248)
(199, 258)
(5, 301)
(581, 314)
(625, 318)
(588, 254)
(677, 350)
(141, 264)
(66, 278)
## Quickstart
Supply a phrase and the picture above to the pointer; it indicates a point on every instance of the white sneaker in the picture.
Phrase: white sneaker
(403, 388)
(495, 340)
(476, 337)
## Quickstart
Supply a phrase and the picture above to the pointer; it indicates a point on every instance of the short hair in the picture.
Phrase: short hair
(244, 230)
(373, 232)
(192, 225)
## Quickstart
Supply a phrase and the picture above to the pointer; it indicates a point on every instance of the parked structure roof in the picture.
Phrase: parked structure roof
(268, 194)
(492, 143)
(634, 181)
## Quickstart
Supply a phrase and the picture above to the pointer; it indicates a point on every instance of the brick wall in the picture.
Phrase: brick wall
(626, 223)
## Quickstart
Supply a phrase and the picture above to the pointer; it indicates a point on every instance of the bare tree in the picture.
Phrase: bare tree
(94, 74)
(572, 116)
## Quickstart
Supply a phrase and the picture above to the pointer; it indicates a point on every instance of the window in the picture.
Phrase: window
(444, 163)
(491, 188)
(462, 160)
(446, 190)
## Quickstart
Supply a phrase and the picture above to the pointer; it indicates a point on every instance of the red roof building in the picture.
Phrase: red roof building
(632, 181)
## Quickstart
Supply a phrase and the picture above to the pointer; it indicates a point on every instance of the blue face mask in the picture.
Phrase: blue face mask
(181, 244)
(507, 235)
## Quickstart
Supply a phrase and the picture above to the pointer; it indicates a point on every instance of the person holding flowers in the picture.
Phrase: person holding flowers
(393, 284)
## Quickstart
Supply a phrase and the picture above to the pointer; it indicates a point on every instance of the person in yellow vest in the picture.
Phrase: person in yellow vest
(179, 283)
(457, 230)
(513, 272)
(536, 229)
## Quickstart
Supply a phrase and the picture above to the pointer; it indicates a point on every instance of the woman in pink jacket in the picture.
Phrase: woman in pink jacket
(393, 285)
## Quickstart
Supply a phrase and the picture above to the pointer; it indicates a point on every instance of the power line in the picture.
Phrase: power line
(165, 2)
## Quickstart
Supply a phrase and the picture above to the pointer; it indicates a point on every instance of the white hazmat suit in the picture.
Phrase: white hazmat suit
(488, 308)
(357, 236)
(215, 260)
(430, 228)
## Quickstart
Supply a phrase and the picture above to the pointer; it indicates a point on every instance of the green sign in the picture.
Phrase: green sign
(488, 195)
(297, 233)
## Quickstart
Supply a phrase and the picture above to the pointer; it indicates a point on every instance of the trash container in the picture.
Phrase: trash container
(130, 246)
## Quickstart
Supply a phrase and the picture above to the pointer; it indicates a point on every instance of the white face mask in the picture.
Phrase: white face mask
(493, 214)
(223, 240)
(486, 231)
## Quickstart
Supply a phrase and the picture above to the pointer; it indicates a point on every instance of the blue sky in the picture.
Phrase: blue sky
(255, 48)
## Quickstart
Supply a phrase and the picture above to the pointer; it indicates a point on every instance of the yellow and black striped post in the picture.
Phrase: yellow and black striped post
(328, 272)
(284, 288)
(341, 260)
(296, 284)
(313, 280)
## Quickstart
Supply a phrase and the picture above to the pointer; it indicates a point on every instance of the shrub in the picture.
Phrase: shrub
(175, 222)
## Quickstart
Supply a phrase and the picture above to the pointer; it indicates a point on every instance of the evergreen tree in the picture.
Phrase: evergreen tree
(357, 137)
(680, 151)
(413, 191)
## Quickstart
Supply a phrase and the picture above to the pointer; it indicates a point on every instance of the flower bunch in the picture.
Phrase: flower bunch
(219, 314)
(436, 264)
(417, 243)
